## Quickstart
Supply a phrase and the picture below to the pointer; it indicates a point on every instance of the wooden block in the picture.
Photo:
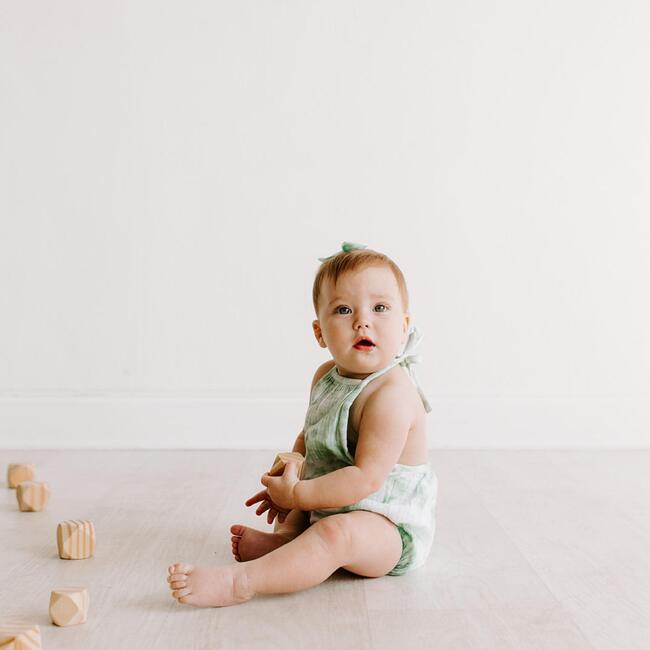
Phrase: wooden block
(69, 606)
(75, 539)
(32, 496)
(17, 473)
(20, 637)
(277, 469)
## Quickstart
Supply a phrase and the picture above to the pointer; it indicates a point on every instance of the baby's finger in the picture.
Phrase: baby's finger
(262, 494)
(271, 515)
(263, 508)
(282, 516)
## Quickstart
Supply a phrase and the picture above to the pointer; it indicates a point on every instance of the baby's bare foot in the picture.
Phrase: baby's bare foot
(207, 586)
(249, 543)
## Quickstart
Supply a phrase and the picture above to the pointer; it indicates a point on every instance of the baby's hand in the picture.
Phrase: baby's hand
(282, 489)
(267, 504)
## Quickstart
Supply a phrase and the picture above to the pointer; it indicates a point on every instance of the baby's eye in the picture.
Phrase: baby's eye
(386, 308)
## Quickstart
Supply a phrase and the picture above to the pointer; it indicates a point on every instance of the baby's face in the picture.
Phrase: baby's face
(363, 303)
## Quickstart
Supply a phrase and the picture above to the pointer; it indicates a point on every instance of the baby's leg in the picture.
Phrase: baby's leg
(363, 542)
(294, 524)
(249, 543)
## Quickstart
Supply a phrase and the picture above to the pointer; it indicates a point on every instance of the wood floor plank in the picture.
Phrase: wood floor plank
(575, 528)
(476, 579)
(150, 509)
(511, 628)
(542, 550)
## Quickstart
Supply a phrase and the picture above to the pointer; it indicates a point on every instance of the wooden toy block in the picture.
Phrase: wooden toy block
(20, 637)
(69, 606)
(32, 496)
(75, 539)
(277, 469)
(17, 473)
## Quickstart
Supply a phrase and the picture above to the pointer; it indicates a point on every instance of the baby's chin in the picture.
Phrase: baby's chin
(365, 365)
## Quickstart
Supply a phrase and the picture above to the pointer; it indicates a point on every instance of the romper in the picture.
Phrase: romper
(407, 496)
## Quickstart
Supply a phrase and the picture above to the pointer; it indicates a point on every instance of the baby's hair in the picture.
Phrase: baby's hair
(355, 260)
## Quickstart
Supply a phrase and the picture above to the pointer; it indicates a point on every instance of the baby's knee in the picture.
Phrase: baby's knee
(334, 530)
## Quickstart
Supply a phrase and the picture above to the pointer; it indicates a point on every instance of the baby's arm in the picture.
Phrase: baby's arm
(339, 488)
(384, 427)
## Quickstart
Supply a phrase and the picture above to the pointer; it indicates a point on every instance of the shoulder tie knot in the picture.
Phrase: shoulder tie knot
(408, 359)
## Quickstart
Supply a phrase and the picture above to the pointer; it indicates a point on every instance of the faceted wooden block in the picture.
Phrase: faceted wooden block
(69, 606)
(32, 496)
(20, 637)
(17, 473)
(277, 469)
(75, 539)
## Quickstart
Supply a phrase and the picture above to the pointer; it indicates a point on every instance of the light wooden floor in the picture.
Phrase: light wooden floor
(534, 549)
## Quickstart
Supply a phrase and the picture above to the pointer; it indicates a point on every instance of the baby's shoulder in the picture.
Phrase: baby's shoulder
(321, 371)
(399, 385)
(395, 387)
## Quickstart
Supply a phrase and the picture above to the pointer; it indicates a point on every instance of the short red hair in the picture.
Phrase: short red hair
(355, 260)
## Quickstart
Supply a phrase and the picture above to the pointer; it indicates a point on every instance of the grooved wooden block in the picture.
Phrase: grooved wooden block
(75, 539)
(32, 496)
(277, 469)
(69, 606)
(17, 473)
(20, 637)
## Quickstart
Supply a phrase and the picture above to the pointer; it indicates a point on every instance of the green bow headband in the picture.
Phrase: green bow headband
(346, 247)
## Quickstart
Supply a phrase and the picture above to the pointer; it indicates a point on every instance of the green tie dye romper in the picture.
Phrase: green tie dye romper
(408, 495)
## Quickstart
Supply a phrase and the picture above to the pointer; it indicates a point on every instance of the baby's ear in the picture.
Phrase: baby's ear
(318, 334)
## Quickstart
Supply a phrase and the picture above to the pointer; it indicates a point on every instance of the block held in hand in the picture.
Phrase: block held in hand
(277, 469)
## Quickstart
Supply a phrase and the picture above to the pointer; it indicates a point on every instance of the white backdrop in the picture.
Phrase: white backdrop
(170, 171)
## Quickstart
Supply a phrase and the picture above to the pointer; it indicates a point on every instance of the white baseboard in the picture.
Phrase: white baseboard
(163, 422)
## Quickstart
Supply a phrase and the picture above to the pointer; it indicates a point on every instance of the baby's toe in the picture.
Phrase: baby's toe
(177, 576)
(178, 584)
(237, 530)
(180, 568)
(179, 593)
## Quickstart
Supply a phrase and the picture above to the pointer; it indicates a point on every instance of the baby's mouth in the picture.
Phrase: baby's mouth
(364, 344)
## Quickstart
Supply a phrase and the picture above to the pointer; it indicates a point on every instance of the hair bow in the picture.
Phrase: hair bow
(346, 247)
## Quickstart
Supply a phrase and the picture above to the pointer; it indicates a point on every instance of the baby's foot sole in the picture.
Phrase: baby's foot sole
(249, 543)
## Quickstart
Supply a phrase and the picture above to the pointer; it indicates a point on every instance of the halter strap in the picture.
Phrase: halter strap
(408, 359)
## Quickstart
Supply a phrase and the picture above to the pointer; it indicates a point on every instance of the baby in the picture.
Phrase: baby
(367, 497)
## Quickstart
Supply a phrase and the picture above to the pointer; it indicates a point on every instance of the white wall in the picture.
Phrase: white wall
(170, 171)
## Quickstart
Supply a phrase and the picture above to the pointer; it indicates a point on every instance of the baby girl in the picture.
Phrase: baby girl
(367, 496)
